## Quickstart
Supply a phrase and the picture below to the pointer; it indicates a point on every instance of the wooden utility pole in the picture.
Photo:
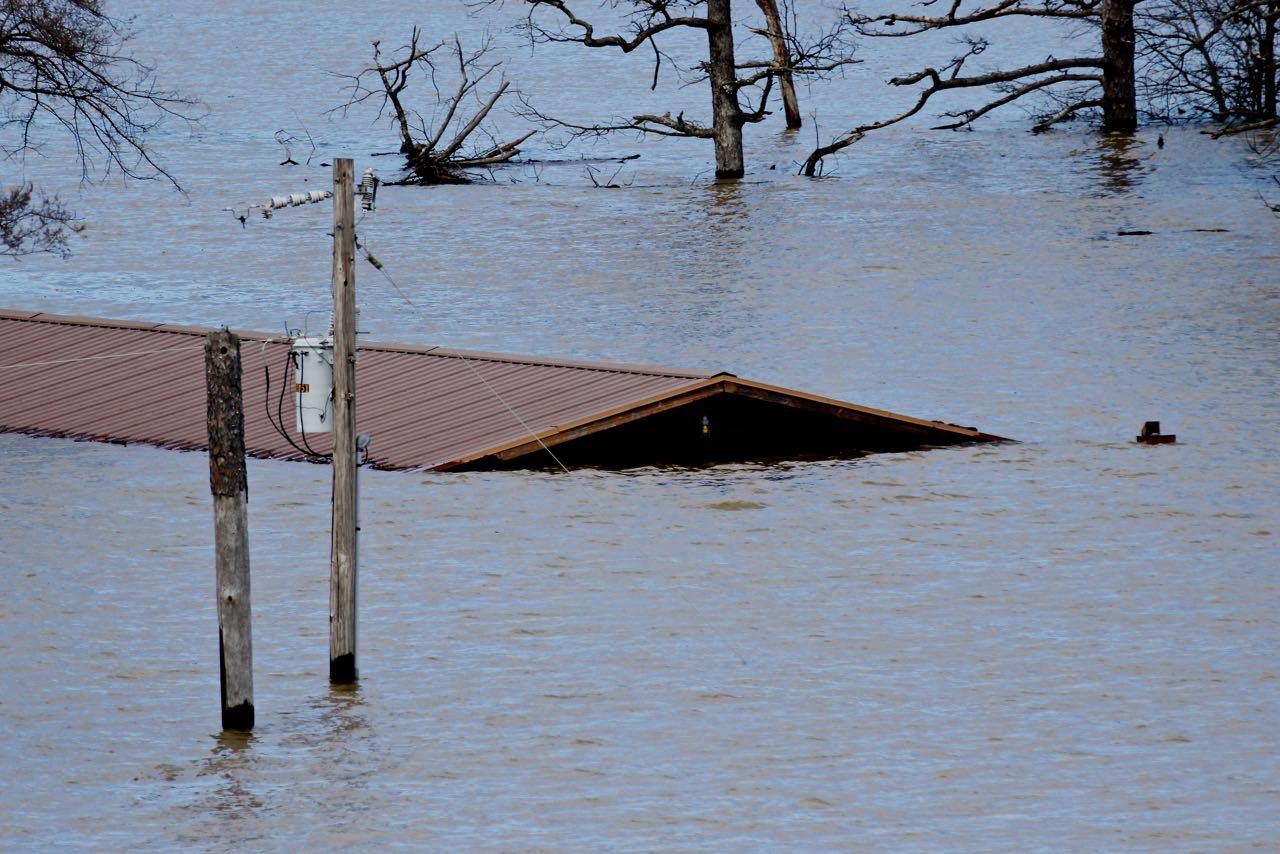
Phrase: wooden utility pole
(229, 482)
(342, 565)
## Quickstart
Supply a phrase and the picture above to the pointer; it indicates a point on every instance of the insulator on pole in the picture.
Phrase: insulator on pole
(368, 189)
(295, 199)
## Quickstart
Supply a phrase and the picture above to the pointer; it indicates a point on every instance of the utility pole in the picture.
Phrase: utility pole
(229, 482)
(343, 551)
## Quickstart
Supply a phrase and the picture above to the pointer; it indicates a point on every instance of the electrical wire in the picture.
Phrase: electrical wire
(277, 423)
(377, 265)
(97, 358)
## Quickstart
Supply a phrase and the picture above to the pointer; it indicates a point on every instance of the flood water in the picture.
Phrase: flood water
(1066, 643)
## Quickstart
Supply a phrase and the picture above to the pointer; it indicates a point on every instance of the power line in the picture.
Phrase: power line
(367, 191)
(99, 357)
(378, 265)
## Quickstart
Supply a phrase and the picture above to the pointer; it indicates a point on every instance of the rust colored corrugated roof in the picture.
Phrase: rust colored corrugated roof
(427, 407)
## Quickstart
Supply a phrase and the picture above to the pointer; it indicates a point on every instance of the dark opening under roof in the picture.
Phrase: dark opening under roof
(428, 407)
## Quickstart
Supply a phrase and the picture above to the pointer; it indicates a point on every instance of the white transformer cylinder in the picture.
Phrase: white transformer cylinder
(313, 384)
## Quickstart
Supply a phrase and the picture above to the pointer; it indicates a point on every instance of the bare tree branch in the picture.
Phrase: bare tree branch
(430, 161)
(865, 24)
(36, 224)
(645, 123)
(1232, 130)
(1065, 113)
(949, 78)
(653, 18)
(63, 65)
(1215, 58)
(967, 117)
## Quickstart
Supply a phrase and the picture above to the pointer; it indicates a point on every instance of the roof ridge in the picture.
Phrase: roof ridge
(433, 350)
(541, 361)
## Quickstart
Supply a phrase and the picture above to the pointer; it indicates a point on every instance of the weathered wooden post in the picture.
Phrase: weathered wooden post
(342, 568)
(229, 482)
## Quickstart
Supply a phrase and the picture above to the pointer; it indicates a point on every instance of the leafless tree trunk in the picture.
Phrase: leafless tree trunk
(1119, 99)
(727, 117)
(729, 79)
(782, 59)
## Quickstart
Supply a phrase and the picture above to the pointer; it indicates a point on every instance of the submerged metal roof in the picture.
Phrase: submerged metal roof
(427, 407)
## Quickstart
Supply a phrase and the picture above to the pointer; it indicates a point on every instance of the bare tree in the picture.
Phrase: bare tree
(731, 81)
(1104, 80)
(1214, 58)
(439, 149)
(63, 69)
(1177, 58)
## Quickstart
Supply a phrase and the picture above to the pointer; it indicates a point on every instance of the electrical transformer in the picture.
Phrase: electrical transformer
(313, 384)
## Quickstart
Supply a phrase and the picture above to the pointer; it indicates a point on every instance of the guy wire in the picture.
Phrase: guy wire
(377, 265)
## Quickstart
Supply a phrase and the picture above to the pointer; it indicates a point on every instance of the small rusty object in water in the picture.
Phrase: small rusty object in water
(1151, 435)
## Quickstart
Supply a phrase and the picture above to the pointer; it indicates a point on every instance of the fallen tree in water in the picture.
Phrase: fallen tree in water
(457, 137)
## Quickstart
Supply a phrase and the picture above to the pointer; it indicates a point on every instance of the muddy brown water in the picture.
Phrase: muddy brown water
(1067, 643)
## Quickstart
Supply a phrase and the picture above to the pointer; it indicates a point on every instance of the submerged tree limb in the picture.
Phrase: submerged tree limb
(428, 158)
(1261, 124)
(948, 77)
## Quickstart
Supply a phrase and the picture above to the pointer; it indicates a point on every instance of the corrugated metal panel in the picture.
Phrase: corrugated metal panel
(427, 407)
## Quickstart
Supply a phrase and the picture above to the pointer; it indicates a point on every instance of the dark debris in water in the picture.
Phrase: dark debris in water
(1142, 232)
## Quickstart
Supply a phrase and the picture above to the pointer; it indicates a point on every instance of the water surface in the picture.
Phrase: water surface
(1065, 643)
